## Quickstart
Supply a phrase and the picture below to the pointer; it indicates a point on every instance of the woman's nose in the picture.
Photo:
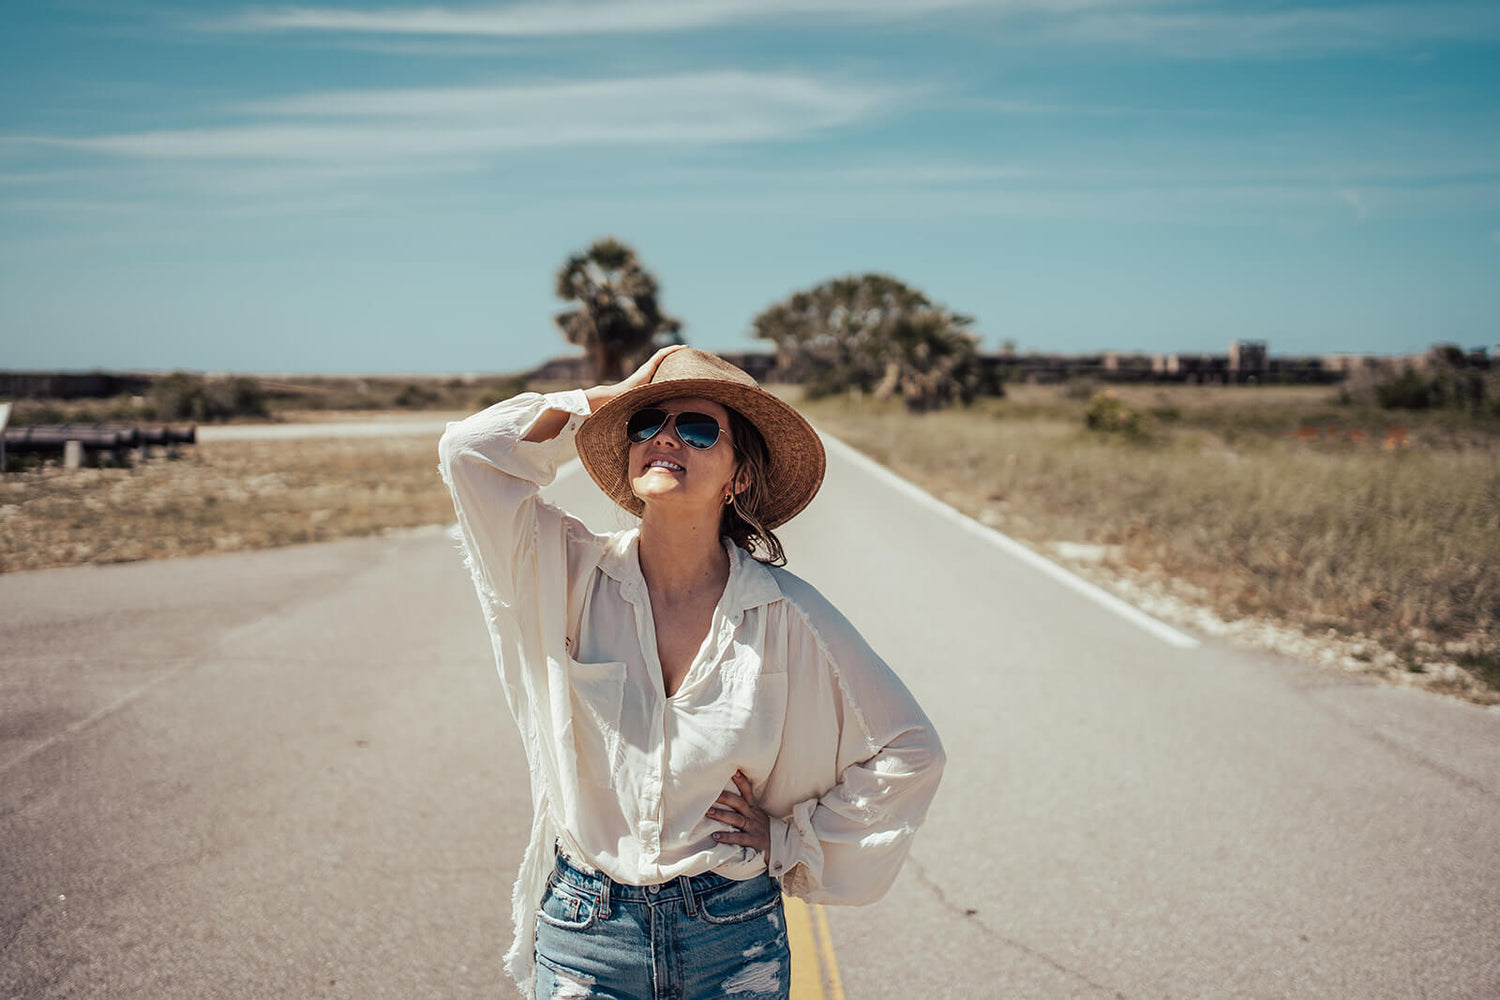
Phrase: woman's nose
(668, 432)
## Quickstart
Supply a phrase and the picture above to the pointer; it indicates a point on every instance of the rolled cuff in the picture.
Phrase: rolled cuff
(574, 401)
(796, 859)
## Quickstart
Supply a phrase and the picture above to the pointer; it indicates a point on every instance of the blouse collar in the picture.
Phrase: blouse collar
(750, 584)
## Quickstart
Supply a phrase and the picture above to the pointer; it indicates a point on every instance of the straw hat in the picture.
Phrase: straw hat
(795, 469)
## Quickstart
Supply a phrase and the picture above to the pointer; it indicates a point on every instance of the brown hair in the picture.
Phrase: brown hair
(741, 521)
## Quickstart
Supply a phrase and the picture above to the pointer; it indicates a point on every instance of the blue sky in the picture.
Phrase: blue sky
(390, 187)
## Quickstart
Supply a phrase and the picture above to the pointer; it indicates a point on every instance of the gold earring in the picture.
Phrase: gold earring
(728, 498)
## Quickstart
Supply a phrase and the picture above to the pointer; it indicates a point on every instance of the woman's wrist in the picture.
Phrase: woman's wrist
(560, 408)
(599, 395)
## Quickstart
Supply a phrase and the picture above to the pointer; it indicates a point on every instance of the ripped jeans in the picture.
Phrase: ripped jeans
(701, 938)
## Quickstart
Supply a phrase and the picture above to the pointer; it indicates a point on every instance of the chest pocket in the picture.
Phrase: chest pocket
(741, 715)
(597, 691)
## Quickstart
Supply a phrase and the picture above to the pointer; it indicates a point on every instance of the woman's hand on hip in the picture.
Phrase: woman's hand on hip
(752, 827)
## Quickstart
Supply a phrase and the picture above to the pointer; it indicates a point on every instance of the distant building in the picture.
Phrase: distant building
(1247, 360)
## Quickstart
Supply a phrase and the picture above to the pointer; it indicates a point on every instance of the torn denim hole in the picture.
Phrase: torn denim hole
(571, 985)
(755, 979)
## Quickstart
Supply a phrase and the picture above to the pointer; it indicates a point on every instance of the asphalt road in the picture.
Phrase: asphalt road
(291, 774)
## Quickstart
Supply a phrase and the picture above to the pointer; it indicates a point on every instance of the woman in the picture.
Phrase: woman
(704, 730)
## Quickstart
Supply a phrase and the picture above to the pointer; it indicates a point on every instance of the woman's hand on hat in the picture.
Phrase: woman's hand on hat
(601, 394)
(751, 825)
(643, 374)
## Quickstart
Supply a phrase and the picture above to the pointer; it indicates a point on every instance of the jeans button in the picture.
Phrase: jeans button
(653, 889)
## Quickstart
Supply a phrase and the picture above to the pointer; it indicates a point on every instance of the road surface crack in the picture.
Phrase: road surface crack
(971, 916)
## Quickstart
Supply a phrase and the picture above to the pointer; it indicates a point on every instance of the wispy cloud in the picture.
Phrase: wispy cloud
(571, 17)
(422, 124)
(1222, 31)
(1183, 28)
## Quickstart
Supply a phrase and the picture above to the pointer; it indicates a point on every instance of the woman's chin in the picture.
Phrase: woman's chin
(663, 492)
(651, 487)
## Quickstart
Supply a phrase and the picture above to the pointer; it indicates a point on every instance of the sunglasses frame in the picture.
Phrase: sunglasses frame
(670, 417)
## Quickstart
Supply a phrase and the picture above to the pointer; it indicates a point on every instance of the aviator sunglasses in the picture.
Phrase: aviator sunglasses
(696, 430)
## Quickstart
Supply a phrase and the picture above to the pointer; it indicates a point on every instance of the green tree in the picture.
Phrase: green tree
(617, 320)
(874, 333)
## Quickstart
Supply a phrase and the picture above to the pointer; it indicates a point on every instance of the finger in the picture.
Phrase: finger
(734, 819)
(746, 833)
(734, 802)
(656, 359)
(761, 843)
(647, 370)
(743, 784)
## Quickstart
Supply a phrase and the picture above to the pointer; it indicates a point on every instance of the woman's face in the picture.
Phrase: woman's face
(663, 470)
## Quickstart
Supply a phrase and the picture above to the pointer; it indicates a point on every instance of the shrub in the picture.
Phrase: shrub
(179, 396)
(185, 396)
(1406, 391)
(1109, 414)
(240, 396)
(1448, 380)
(414, 396)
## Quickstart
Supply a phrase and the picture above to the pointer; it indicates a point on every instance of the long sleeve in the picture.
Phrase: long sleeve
(528, 560)
(846, 844)
(495, 475)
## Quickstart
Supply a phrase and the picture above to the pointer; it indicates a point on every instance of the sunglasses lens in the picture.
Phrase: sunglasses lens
(644, 424)
(697, 430)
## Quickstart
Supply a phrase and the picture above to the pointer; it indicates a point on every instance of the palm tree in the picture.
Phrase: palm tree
(617, 319)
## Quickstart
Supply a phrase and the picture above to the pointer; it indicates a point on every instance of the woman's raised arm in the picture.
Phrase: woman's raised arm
(552, 422)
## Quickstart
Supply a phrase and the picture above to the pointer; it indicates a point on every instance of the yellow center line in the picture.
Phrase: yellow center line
(825, 952)
(815, 971)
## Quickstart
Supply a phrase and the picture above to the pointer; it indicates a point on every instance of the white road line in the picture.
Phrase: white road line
(1011, 547)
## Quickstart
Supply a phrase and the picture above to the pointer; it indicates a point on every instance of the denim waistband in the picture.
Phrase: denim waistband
(597, 883)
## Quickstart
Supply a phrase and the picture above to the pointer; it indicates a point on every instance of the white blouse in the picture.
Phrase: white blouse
(838, 752)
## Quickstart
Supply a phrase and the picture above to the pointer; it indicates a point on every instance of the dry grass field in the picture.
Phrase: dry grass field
(1269, 506)
(1316, 529)
(218, 497)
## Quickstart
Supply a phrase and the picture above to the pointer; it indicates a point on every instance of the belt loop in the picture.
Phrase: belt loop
(687, 895)
(604, 896)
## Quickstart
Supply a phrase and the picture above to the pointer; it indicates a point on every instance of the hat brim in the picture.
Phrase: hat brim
(796, 457)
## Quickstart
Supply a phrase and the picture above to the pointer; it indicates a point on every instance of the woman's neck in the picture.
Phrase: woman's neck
(681, 557)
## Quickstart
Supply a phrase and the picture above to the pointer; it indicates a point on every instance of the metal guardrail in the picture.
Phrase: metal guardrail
(53, 439)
